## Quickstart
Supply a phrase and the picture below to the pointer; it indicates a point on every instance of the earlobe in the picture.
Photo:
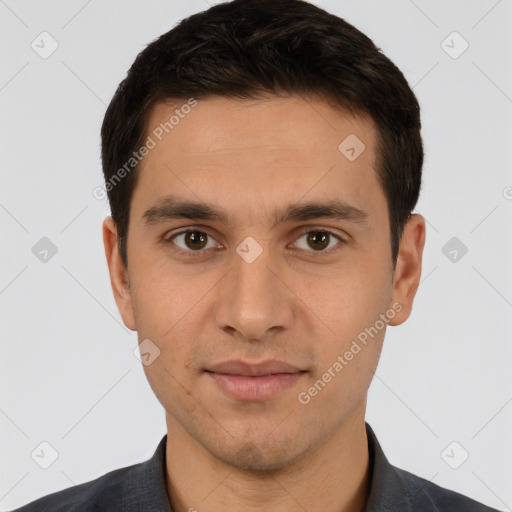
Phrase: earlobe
(407, 274)
(118, 273)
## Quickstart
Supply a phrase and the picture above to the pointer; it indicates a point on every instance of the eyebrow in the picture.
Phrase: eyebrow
(171, 207)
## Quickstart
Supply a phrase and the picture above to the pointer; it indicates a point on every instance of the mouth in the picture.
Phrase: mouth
(254, 382)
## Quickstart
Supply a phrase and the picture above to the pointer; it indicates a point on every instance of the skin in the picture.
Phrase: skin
(294, 303)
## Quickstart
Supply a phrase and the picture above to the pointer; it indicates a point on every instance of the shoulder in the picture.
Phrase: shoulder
(90, 496)
(399, 490)
(441, 499)
(137, 488)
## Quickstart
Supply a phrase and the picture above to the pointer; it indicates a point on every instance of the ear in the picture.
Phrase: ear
(407, 274)
(118, 273)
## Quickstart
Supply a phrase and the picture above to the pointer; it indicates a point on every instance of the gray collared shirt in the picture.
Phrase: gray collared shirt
(142, 487)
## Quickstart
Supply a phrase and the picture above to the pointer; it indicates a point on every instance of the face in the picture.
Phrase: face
(284, 256)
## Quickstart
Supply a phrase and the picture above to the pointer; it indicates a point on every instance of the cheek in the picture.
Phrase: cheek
(350, 298)
(351, 310)
(346, 366)
(162, 300)
(172, 305)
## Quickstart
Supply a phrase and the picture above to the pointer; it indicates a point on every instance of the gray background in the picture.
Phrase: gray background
(67, 371)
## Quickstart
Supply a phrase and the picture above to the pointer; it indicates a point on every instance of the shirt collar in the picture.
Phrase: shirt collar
(145, 488)
(391, 488)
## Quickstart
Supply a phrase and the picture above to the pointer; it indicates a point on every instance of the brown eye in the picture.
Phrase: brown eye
(195, 240)
(192, 240)
(317, 241)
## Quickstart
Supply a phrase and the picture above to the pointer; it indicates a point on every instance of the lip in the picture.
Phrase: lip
(239, 367)
(254, 382)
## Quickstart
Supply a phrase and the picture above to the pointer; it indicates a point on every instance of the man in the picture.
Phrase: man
(262, 161)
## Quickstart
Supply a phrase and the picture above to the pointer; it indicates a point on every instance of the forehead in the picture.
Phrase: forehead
(256, 152)
(221, 123)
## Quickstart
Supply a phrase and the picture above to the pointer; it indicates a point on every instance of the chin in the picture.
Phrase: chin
(251, 458)
(258, 455)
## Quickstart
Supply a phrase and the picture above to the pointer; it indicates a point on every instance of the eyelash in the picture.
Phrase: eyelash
(194, 254)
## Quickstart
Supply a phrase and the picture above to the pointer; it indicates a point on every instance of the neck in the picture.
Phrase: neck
(334, 477)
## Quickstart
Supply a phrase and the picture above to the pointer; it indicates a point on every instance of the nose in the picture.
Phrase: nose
(254, 302)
